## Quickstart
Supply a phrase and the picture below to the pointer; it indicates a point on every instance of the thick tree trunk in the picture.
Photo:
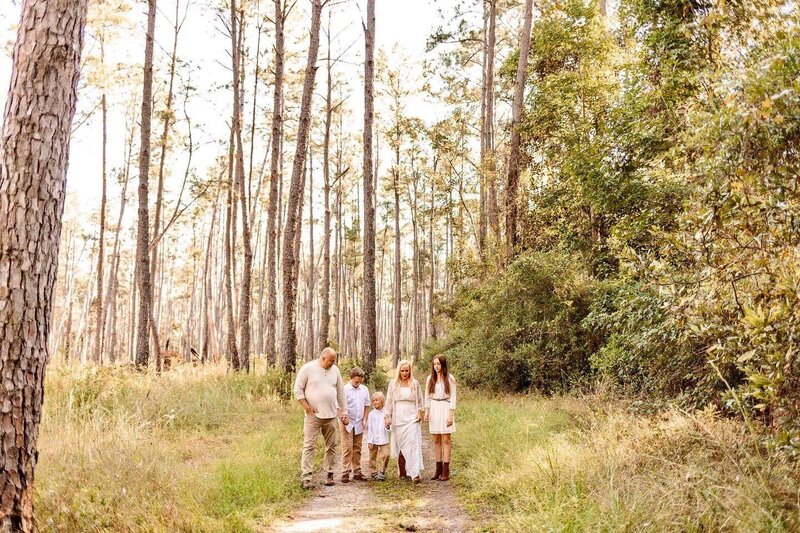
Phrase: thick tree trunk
(289, 289)
(34, 153)
(143, 228)
(369, 338)
(275, 175)
(515, 150)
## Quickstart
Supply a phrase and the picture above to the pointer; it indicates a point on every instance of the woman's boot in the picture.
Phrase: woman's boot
(445, 472)
(437, 476)
(401, 466)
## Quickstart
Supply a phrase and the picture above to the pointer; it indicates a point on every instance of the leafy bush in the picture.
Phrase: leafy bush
(523, 330)
(643, 351)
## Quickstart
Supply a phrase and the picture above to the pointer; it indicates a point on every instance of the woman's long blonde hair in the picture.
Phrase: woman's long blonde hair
(410, 370)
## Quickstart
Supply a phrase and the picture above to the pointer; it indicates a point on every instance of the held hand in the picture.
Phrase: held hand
(426, 417)
(370, 446)
(345, 420)
(419, 417)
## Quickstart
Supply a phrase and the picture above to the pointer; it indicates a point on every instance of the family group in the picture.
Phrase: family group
(392, 422)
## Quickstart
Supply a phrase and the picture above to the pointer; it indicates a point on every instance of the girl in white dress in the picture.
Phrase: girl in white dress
(440, 412)
(404, 408)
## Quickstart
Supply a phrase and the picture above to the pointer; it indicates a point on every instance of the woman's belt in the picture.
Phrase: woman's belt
(440, 399)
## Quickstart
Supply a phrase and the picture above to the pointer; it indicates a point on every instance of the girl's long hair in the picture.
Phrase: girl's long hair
(445, 376)
(410, 370)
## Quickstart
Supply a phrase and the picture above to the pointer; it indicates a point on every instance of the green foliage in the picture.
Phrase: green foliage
(523, 331)
(643, 352)
(660, 213)
(736, 251)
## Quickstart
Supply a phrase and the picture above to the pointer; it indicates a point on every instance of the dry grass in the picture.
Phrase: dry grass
(192, 450)
(567, 464)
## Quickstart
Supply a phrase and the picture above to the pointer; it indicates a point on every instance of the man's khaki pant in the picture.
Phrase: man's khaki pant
(378, 458)
(312, 426)
(351, 450)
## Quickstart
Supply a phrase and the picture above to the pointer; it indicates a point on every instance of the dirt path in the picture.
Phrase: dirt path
(393, 505)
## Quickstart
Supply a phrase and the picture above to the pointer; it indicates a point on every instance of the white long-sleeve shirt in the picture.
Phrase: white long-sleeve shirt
(357, 399)
(322, 389)
(376, 428)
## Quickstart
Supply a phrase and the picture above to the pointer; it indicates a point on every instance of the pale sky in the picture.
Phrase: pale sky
(406, 23)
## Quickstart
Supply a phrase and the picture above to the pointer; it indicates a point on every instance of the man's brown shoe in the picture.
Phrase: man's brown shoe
(345, 478)
(329, 480)
(359, 477)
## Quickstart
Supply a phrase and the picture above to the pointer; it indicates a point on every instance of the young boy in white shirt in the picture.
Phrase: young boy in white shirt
(378, 438)
(357, 397)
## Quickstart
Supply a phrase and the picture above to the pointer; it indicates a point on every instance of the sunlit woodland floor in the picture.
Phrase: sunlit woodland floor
(202, 450)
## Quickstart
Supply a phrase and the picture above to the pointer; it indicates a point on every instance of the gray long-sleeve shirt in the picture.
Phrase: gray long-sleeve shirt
(322, 389)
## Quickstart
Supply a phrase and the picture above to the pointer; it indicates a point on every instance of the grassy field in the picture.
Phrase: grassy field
(192, 450)
(202, 450)
(585, 464)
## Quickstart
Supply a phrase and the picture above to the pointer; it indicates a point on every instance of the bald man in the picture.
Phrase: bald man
(320, 390)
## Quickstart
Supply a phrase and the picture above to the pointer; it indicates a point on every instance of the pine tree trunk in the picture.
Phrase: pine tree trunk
(369, 338)
(325, 315)
(99, 315)
(289, 286)
(515, 150)
(143, 228)
(40, 106)
(272, 210)
(398, 302)
(231, 351)
(491, 160)
(247, 272)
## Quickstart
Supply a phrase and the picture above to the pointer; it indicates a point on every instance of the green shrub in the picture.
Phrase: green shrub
(523, 330)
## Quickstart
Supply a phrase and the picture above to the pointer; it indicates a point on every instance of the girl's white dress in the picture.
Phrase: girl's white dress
(439, 404)
(406, 431)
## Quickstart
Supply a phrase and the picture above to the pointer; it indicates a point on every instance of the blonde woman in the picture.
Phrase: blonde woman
(404, 409)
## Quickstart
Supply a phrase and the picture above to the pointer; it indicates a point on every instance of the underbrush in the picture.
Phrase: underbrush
(194, 449)
(581, 464)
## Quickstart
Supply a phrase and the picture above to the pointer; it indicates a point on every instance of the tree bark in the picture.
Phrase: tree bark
(245, 295)
(398, 302)
(231, 351)
(272, 209)
(325, 315)
(289, 289)
(515, 150)
(34, 153)
(164, 145)
(369, 337)
(491, 160)
(143, 227)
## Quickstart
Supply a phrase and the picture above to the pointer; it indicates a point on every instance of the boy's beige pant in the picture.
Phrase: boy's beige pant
(351, 450)
(312, 426)
(378, 458)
